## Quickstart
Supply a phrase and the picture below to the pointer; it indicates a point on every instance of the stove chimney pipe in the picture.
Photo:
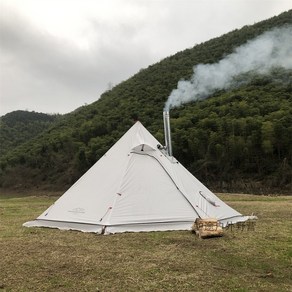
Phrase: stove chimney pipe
(167, 133)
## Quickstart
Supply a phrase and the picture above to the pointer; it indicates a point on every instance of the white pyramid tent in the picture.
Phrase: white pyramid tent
(135, 187)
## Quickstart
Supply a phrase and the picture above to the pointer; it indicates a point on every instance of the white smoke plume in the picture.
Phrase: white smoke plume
(260, 55)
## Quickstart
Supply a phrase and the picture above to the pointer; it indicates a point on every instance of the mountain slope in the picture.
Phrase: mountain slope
(19, 127)
(232, 141)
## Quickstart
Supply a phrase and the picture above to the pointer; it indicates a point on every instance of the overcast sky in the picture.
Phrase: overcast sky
(57, 55)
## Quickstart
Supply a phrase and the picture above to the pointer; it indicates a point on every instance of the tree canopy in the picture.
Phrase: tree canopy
(237, 139)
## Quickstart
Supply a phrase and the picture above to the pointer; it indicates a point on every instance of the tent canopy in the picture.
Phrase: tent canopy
(135, 186)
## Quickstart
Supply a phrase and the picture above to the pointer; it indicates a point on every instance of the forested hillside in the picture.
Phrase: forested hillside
(20, 127)
(236, 140)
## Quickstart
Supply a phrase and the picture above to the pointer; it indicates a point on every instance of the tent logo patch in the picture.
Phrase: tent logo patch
(77, 210)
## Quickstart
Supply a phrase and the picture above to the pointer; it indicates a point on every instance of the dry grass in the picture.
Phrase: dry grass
(40, 259)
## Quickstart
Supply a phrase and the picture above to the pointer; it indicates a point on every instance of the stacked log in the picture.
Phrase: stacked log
(209, 227)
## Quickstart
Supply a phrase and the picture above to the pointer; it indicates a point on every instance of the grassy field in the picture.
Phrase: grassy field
(41, 259)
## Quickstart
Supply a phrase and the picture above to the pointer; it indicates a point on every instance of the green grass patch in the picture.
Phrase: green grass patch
(43, 259)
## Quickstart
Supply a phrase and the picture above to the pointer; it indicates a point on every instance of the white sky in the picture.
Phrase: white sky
(56, 55)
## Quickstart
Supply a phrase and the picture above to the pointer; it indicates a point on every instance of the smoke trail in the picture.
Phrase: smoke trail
(269, 50)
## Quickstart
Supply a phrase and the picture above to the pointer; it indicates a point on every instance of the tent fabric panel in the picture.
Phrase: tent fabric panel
(90, 197)
(95, 191)
(233, 220)
(149, 195)
(65, 225)
(168, 226)
(206, 203)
